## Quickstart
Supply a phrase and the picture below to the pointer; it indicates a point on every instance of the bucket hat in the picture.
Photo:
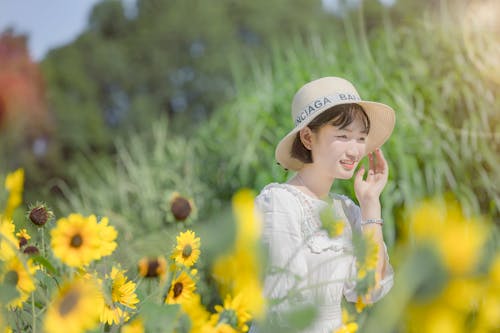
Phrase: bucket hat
(319, 95)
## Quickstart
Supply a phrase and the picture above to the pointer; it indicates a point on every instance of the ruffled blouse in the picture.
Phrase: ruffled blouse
(305, 264)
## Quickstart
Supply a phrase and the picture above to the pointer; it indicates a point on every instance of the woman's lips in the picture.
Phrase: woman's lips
(348, 164)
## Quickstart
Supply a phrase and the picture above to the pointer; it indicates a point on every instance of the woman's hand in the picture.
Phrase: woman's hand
(368, 191)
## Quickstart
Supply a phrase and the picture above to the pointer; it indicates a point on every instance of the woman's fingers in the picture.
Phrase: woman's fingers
(381, 163)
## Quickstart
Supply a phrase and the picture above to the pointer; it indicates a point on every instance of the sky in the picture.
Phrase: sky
(48, 23)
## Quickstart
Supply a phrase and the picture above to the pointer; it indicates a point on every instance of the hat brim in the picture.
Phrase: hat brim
(382, 120)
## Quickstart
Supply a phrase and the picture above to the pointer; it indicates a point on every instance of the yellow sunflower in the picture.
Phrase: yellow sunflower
(14, 272)
(443, 225)
(196, 312)
(234, 313)
(76, 240)
(181, 289)
(14, 184)
(187, 250)
(107, 235)
(153, 267)
(180, 208)
(75, 308)
(122, 295)
(23, 237)
(238, 271)
(221, 328)
(8, 242)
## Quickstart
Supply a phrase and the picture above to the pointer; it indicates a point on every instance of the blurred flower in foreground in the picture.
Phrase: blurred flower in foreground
(123, 297)
(458, 239)
(8, 242)
(75, 308)
(19, 276)
(196, 312)
(465, 296)
(238, 272)
(79, 240)
(153, 267)
(181, 209)
(181, 289)
(334, 226)
(348, 324)
(234, 313)
(187, 250)
(14, 184)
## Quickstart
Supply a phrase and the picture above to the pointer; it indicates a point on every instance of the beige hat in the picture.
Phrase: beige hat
(318, 96)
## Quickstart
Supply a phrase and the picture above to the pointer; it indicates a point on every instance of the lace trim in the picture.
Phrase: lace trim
(315, 237)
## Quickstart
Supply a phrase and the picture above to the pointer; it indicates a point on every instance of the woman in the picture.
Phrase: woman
(333, 130)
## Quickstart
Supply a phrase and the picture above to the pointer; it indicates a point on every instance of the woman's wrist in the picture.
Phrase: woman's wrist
(370, 210)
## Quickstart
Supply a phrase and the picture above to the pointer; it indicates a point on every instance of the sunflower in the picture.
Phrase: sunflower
(181, 289)
(122, 295)
(180, 208)
(14, 184)
(8, 242)
(76, 240)
(75, 308)
(233, 313)
(107, 235)
(15, 273)
(23, 237)
(238, 271)
(187, 250)
(196, 312)
(221, 328)
(153, 267)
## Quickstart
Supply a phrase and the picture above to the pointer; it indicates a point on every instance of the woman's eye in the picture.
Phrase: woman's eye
(362, 139)
(342, 136)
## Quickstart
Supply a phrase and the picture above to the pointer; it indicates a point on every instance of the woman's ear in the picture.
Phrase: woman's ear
(306, 137)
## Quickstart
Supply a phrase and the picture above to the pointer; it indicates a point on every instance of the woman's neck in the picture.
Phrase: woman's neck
(312, 182)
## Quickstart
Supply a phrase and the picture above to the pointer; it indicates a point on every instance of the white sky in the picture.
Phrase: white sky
(48, 23)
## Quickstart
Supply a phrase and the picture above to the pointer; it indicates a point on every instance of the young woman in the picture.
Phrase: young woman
(334, 130)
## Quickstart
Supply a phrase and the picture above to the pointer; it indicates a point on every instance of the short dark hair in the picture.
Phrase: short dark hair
(339, 115)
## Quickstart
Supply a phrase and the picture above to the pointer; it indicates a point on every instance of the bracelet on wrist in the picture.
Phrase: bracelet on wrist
(372, 221)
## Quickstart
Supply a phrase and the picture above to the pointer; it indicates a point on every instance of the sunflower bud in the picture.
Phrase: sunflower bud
(181, 208)
(153, 267)
(39, 215)
(31, 250)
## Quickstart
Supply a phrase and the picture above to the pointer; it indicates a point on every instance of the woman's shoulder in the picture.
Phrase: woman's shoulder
(278, 195)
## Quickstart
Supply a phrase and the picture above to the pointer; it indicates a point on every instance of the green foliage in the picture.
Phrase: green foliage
(444, 139)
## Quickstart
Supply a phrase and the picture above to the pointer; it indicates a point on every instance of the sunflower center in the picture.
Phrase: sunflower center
(153, 266)
(12, 278)
(229, 317)
(177, 289)
(69, 302)
(76, 241)
(186, 251)
(181, 208)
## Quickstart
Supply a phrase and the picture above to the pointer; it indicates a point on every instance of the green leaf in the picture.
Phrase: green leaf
(45, 263)
(159, 318)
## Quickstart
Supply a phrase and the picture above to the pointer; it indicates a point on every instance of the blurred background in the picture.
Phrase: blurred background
(111, 106)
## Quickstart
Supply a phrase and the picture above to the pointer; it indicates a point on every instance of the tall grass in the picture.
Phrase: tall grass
(446, 137)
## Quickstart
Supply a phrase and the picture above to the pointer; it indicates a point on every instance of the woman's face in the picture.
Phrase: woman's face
(336, 152)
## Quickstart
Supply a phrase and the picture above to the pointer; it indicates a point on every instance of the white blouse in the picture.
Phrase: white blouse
(305, 264)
